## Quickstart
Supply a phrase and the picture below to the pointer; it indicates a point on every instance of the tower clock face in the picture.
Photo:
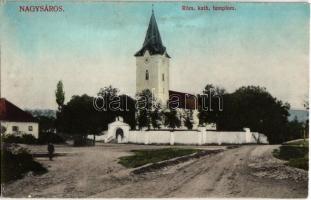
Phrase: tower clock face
(146, 60)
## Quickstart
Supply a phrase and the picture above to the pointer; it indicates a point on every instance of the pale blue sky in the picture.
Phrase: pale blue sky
(91, 45)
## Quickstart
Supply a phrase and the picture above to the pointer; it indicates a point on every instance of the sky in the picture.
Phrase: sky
(92, 45)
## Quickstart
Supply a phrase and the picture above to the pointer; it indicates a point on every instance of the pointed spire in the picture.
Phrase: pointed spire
(153, 42)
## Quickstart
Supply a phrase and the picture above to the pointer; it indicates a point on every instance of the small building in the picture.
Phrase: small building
(16, 121)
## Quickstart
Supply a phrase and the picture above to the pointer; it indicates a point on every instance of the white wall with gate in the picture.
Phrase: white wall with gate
(200, 136)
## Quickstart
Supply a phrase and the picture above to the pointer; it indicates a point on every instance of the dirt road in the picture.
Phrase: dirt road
(248, 171)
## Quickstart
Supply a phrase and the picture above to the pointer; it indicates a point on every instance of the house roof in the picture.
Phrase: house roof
(153, 42)
(185, 100)
(12, 113)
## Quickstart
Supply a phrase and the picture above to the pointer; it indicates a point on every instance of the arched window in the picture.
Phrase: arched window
(147, 75)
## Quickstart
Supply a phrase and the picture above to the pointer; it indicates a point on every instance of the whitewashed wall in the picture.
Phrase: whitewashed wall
(23, 128)
(187, 137)
(193, 137)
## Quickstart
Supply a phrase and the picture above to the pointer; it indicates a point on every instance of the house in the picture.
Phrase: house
(16, 121)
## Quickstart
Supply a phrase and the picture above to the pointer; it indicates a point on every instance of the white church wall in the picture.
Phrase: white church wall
(211, 137)
(158, 137)
(137, 137)
(231, 137)
(194, 137)
(188, 137)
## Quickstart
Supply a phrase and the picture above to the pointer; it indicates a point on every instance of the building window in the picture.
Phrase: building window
(163, 79)
(147, 75)
(15, 128)
(30, 128)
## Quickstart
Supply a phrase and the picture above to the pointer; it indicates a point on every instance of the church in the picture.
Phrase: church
(153, 73)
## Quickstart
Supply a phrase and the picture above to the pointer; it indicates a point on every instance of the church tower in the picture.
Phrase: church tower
(152, 64)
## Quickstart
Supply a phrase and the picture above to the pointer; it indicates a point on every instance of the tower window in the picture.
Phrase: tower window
(163, 77)
(147, 75)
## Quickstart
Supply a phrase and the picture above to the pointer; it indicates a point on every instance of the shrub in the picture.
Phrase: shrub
(301, 163)
(287, 152)
(23, 139)
(46, 137)
(28, 139)
(14, 165)
(79, 140)
(297, 156)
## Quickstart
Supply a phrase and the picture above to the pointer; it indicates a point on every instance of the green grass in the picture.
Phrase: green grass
(301, 163)
(303, 143)
(142, 157)
(296, 153)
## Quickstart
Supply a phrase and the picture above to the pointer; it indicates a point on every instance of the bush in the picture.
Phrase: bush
(23, 139)
(28, 139)
(288, 152)
(297, 156)
(79, 140)
(46, 137)
(301, 163)
(14, 165)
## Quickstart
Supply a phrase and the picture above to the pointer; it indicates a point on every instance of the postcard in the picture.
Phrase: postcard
(154, 99)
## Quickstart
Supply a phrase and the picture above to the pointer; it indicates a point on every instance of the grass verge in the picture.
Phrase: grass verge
(296, 153)
(143, 157)
(300, 142)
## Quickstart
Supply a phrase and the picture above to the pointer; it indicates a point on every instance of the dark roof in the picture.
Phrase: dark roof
(153, 42)
(12, 113)
(185, 100)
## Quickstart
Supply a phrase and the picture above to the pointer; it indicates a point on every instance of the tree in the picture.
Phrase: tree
(146, 104)
(171, 119)
(254, 107)
(60, 95)
(189, 119)
(79, 118)
(306, 125)
(156, 117)
(116, 105)
(108, 92)
(211, 104)
(294, 130)
(46, 124)
(47, 130)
